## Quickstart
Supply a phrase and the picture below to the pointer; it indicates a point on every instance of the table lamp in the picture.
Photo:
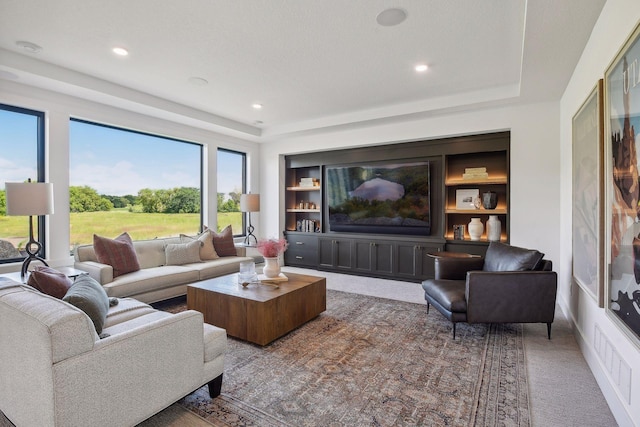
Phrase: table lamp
(250, 203)
(29, 198)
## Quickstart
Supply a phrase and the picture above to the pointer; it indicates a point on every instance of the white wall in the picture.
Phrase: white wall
(59, 108)
(615, 24)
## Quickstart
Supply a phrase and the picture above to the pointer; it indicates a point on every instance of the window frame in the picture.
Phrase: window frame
(155, 135)
(40, 171)
(243, 155)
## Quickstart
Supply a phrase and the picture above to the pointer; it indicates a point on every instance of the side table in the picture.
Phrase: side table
(70, 272)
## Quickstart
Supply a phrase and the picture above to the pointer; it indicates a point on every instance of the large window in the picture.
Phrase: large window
(121, 180)
(232, 167)
(21, 158)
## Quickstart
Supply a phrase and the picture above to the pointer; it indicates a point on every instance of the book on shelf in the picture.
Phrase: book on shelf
(475, 175)
(308, 226)
(308, 182)
(475, 170)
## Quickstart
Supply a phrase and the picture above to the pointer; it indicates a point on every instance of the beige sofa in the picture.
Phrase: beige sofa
(155, 281)
(56, 371)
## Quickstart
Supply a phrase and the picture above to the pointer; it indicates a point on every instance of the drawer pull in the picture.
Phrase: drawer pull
(299, 243)
(298, 257)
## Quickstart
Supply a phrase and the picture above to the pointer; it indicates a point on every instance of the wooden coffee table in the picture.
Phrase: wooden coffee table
(258, 313)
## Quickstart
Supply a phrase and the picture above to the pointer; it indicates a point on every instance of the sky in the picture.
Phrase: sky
(112, 161)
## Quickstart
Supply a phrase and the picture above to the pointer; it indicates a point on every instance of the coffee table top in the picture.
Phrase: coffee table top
(229, 285)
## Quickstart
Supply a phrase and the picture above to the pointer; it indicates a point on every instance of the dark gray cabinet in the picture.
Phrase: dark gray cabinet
(373, 256)
(378, 257)
(335, 253)
(302, 250)
(414, 261)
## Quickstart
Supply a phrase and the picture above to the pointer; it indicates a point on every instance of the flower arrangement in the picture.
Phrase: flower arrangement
(271, 248)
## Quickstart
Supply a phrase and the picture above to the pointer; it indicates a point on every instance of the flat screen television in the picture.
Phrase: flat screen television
(385, 198)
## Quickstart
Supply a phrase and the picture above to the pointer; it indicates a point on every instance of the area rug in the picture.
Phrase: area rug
(373, 361)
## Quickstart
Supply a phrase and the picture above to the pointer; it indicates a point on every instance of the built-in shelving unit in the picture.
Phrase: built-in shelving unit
(496, 164)
(304, 202)
(395, 256)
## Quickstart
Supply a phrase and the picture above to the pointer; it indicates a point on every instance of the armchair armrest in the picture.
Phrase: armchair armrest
(511, 296)
(103, 273)
(456, 268)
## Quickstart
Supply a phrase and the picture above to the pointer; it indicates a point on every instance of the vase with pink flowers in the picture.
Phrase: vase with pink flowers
(271, 249)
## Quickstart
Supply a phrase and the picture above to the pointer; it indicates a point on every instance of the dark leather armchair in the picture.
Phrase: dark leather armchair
(508, 285)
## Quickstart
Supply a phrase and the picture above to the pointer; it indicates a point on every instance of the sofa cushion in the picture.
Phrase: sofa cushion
(89, 296)
(503, 257)
(183, 253)
(223, 242)
(118, 253)
(450, 294)
(151, 279)
(207, 250)
(49, 281)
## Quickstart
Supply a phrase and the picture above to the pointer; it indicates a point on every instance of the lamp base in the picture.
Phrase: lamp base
(32, 247)
(250, 228)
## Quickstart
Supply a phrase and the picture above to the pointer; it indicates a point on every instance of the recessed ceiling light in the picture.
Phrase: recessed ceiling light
(120, 51)
(29, 47)
(198, 81)
(257, 106)
(421, 68)
(391, 17)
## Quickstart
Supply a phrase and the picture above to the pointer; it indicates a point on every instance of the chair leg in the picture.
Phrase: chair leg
(454, 330)
(215, 386)
(549, 330)
(428, 305)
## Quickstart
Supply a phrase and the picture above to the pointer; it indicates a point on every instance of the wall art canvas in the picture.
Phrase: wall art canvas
(588, 194)
(622, 126)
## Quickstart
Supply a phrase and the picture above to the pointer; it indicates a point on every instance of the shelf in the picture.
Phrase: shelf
(489, 181)
(317, 188)
(477, 211)
(303, 210)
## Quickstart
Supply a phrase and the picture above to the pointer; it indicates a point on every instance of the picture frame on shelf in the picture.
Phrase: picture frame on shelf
(622, 193)
(588, 194)
(466, 199)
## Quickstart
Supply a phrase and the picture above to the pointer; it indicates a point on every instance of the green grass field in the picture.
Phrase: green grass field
(112, 223)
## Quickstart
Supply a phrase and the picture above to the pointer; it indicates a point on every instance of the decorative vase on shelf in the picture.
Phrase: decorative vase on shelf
(475, 228)
(271, 267)
(494, 228)
(490, 200)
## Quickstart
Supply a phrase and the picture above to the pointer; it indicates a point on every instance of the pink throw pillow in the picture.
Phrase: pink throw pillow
(223, 242)
(118, 253)
(49, 281)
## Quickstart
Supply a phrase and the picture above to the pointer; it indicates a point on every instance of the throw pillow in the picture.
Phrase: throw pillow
(223, 242)
(182, 253)
(49, 281)
(118, 253)
(90, 297)
(207, 250)
(503, 257)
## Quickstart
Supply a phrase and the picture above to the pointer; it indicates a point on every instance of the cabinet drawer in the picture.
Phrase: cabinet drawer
(302, 250)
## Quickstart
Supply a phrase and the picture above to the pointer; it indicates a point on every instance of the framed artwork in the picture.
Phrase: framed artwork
(588, 195)
(466, 199)
(622, 145)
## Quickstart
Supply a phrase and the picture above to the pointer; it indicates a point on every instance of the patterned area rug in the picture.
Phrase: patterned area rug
(372, 361)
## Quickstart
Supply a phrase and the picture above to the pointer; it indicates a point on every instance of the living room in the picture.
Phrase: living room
(540, 157)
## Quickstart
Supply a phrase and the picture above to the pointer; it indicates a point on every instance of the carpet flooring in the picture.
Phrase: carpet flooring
(372, 361)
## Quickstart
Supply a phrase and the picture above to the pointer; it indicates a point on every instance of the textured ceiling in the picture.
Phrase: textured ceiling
(311, 63)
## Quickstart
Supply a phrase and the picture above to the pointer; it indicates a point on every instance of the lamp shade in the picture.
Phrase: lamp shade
(250, 202)
(29, 198)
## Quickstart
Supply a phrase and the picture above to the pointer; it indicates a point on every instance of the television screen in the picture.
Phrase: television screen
(390, 198)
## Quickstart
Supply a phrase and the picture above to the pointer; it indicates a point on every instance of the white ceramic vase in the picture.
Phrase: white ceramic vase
(271, 267)
(494, 228)
(475, 229)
